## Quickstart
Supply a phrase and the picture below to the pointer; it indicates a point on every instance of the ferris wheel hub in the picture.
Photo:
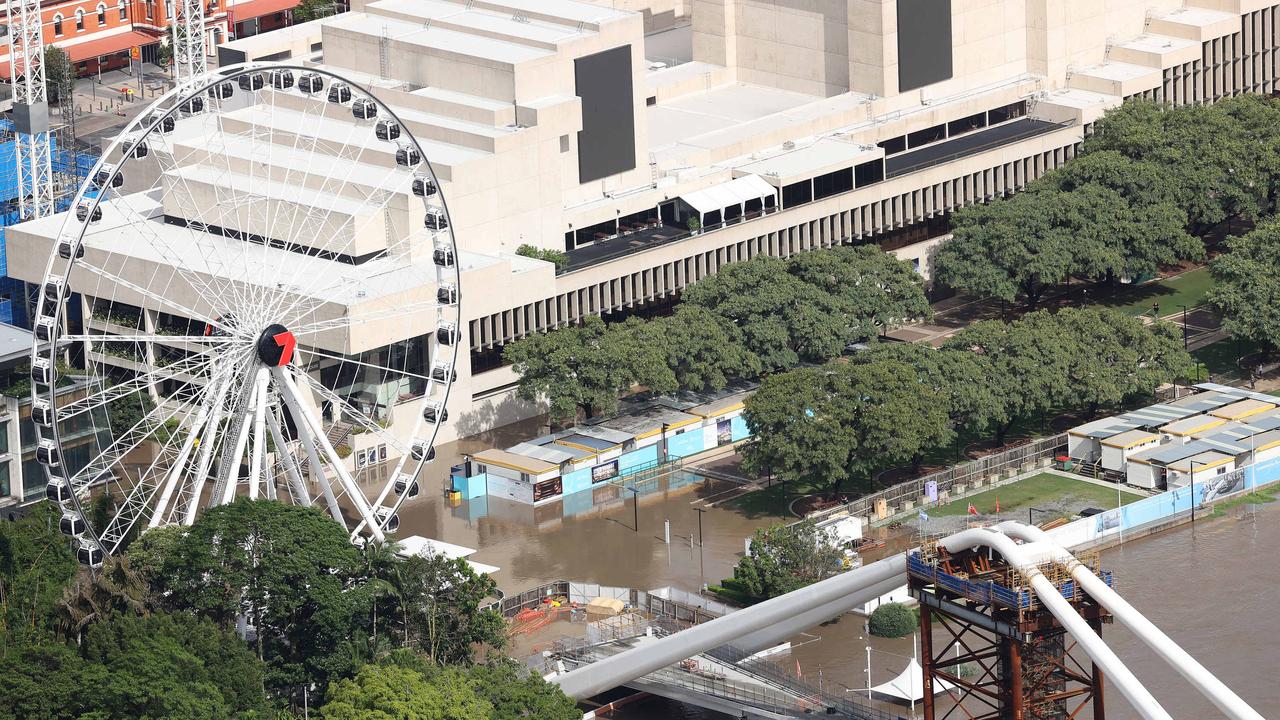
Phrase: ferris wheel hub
(276, 345)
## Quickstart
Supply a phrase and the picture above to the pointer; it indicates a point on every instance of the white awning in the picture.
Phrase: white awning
(909, 685)
(729, 194)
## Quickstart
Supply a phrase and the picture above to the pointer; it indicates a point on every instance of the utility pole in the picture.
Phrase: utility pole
(186, 21)
(30, 109)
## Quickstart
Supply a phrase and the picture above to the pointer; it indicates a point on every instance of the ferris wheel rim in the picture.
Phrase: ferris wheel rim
(169, 107)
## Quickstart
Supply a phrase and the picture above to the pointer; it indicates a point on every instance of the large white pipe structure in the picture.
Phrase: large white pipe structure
(622, 668)
(1211, 687)
(1025, 558)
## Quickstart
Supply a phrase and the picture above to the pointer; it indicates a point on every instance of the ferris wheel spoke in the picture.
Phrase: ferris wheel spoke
(115, 279)
(346, 321)
(192, 366)
(142, 338)
(174, 476)
(233, 444)
(223, 385)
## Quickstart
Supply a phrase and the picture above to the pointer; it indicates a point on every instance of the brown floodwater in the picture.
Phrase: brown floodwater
(1214, 588)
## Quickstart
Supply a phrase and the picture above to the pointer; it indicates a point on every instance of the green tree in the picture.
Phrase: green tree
(961, 378)
(1009, 248)
(309, 10)
(879, 291)
(1246, 289)
(515, 694)
(116, 588)
(36, 565)
(559, 258)
(45, 679)
(581, 367)
(783, 319)
(289, 571)
(785, 558)
(825, 426)
(704, 351)
(892, 620)
(647, 347)
(395, 692)
(59, 73)
(440, 612)
(171, 666)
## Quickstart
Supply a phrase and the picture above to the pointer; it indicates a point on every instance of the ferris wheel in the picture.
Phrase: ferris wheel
(257, 294)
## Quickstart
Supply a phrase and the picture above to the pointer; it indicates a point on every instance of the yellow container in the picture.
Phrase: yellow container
(455, 497)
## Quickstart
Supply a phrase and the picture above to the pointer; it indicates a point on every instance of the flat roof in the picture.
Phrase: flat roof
(594, 444)
(1130, 438)
(1195, 423)
(1206, 401)
(966, 145)
(821, 156)
(1198, 17)
(1242, 409)
(1157, 43)
(649, 421)
(1118, 71)
(1171, 452)
(1202, 461)
(683, 119)
(14, 342)
(439, 38)
(512, 461)
(483, 20)
(550, 452)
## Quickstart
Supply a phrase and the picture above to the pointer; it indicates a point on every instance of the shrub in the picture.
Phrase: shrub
(892, 620)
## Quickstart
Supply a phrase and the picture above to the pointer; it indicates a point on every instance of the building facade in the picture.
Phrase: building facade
(790, 129)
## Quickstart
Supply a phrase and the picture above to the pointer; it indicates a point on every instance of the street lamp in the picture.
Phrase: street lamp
(635, 508)
(1184, 334)
(701, 568)
(1193, 487)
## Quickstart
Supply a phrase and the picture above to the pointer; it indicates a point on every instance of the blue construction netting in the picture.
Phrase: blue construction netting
(65, 162)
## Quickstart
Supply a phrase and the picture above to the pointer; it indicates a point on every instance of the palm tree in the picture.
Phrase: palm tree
(117, 587)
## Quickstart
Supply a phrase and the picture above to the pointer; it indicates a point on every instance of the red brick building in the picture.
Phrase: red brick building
(99, 34)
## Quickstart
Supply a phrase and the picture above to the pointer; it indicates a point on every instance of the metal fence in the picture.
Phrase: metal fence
(1014, 459)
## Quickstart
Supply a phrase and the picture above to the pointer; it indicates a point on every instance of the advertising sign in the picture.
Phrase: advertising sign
(604, 471)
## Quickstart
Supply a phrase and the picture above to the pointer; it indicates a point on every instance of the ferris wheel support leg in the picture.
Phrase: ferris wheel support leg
(231, 473)
(206, 451)
(297, 488)
(175, 473)
(289, 390)
(307, 438)
(259, 434)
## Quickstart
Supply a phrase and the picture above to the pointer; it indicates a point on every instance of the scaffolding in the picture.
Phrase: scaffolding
(984, 632)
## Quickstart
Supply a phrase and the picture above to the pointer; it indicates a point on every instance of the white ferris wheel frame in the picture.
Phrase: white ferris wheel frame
(376, 518)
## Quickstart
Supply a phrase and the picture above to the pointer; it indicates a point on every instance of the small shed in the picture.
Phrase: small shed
(1199, 468)
(1183, 430)
(1242, 409)
(1117, 448)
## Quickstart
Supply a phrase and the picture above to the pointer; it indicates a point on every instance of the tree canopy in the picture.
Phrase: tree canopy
(1246, 286)
(783, 558)
(842, 422)
(577, 367)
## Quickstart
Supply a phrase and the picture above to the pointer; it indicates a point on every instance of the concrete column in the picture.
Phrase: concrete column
(715, 31)
(873, 47)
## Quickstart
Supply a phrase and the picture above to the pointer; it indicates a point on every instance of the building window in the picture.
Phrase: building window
(57, 25)
(102, 14)
(4, 439)
(79, 20)
(151, 9)
(4, 480)
(123, 9)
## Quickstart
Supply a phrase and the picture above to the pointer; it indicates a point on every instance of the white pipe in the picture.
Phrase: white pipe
(624, 667)
(1211, 687)
(171, 482)
(1025, 558)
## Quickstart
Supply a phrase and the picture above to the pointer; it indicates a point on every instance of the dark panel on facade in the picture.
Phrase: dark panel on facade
(607, 142)
(924, 43)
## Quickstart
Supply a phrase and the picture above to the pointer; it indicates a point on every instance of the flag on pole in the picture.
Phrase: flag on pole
(972, 510)
(924, 516)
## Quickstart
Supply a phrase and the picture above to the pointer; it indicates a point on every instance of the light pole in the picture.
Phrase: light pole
(1184, 334)
(635, 509)
(1193, 487)
(701, 567)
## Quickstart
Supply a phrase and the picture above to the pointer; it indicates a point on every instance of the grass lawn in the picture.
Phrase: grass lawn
(1036, 491)
(1187, 289)
(1220, 357)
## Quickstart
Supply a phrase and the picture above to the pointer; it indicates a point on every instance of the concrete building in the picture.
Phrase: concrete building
(792, 127)
(98, 35)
